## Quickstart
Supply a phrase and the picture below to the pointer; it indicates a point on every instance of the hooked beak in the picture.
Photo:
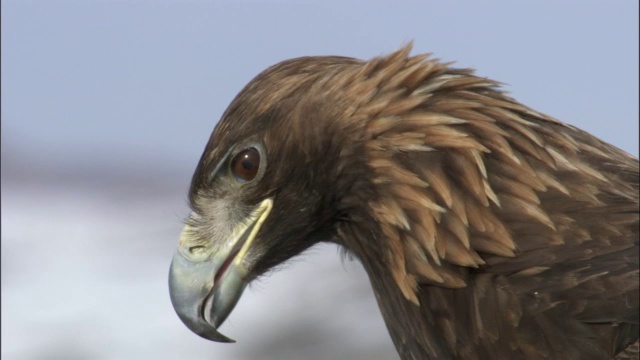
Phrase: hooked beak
(204, 287)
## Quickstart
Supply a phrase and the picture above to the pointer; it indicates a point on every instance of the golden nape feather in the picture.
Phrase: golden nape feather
(488, 230)
(533, 221)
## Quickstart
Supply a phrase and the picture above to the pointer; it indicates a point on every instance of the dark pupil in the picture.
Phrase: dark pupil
(245, 164)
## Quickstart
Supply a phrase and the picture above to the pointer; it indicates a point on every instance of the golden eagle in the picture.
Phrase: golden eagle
(487, 229)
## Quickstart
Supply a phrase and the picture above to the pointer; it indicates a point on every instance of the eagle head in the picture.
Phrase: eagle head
(267, 187)
(479, 221)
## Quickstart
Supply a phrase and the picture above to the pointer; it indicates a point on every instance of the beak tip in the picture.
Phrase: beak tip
(187, 292)
(227, 340)
(213, 335)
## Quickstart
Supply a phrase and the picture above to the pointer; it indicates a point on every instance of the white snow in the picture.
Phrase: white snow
(84, 276)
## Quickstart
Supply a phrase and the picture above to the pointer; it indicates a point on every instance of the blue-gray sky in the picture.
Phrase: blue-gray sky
(122, 80)
(107, 105)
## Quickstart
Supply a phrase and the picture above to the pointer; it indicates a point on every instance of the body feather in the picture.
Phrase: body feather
(520, 233)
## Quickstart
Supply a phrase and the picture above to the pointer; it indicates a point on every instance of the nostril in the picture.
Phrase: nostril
(197, 250)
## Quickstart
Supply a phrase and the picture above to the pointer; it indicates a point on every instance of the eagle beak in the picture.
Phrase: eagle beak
(205, 287)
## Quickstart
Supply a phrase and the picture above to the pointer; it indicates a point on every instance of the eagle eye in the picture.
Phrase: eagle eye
(245, 164)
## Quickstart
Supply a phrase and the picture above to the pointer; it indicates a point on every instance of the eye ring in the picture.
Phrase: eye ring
(245, 164)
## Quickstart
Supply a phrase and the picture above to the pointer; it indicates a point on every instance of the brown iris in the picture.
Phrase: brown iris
(245, 165)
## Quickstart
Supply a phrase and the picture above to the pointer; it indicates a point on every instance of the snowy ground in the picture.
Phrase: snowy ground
(84, 276)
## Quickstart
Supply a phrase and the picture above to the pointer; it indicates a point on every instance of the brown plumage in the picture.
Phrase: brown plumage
(488, 230)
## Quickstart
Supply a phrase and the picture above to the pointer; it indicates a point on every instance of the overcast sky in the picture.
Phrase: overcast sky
(95, 91)
(117, 81)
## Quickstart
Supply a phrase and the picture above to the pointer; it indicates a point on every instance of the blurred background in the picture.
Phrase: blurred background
(107, 105)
